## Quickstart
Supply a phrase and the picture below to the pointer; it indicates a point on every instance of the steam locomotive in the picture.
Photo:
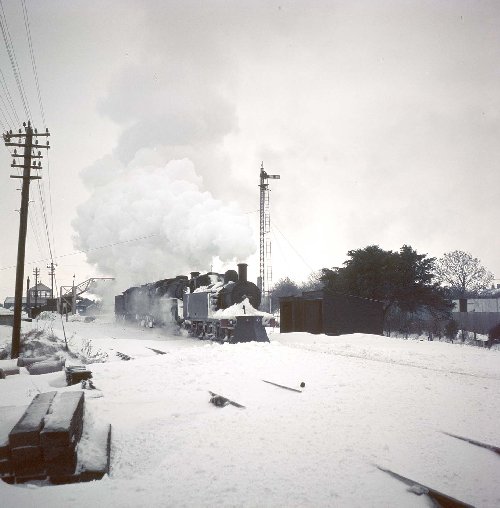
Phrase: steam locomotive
(204, 304)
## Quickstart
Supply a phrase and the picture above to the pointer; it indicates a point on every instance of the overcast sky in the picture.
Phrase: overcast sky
(382, 118)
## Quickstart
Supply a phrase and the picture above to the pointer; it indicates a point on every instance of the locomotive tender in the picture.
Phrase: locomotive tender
(197, 304)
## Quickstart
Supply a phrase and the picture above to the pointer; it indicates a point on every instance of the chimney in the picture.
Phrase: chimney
(192, 283)
(242, 272)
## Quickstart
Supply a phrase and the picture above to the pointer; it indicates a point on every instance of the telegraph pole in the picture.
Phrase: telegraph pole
(28, 300)
(24, 141)
(52, 272)
(36, 273)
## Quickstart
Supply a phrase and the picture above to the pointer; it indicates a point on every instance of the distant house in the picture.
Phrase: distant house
(331, 313)
(477, 305)
(39, 293)
(84, 305)
(9, 303)
(6, 317)
(478, 314)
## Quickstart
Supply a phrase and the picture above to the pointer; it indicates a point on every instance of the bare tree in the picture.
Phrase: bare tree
(313, 282)
(462, 273)
(284, 287)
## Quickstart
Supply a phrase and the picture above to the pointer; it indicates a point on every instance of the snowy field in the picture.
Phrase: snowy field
(368, 400)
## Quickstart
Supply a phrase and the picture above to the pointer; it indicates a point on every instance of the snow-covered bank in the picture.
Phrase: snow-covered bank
(367, 400)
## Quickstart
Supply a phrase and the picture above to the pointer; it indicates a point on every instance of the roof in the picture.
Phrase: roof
(11, 299)
(40, 287)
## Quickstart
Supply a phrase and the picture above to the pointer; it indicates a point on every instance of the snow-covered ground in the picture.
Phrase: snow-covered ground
(367, 401)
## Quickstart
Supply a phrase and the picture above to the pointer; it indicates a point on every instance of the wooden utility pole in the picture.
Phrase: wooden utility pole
(26, 177)
(36, 273)
(52, 272)
(28, 299)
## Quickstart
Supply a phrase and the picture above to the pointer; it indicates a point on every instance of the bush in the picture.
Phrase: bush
(451, 329)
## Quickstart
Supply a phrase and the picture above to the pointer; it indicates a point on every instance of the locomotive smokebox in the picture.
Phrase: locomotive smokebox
(242, 272)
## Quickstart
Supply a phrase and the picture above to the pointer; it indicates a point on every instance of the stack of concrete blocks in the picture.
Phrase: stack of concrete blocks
(9, 416)
(76, 374)
(46, 440)
(8, 368)
(61, 433)
(46, 366)
(24, 439)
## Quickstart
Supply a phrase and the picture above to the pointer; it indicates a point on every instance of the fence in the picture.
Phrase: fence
(479, 322)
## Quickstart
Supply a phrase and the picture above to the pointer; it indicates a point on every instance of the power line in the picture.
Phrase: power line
(34, 229)
(292, 247)
(44, 216)
(50, 205)
(13, 60)
(41, 187)
(75, 253)
(9, 98)
(33, 61)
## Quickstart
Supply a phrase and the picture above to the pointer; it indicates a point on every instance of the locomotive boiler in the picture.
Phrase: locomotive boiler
(215, 306)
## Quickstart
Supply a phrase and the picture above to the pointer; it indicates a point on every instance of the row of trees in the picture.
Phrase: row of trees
(408, 283)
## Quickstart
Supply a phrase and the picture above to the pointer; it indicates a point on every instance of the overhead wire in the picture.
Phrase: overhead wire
(75, 253)
(291, 246)
(50, 205)
(9, 98)
(40, 184)
(41, 209)
(33, 61)
(17, 73)
(13, 59)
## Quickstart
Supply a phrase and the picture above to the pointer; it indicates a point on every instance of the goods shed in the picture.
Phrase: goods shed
(330, 313)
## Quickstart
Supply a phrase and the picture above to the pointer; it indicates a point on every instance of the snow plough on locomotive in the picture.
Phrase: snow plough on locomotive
(221, 307)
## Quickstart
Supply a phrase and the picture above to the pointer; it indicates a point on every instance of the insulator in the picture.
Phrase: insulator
(36, 141)
(46, 130)
(47, 143)
(39, 164)
(10, 132)
(39, 153)
(15, 151)
(36, 132)
(14, 161)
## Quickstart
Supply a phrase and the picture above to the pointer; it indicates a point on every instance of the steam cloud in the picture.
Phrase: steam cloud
(180, 226)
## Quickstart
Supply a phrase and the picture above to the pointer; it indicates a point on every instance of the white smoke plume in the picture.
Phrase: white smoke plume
(157, 221)
(173, 100)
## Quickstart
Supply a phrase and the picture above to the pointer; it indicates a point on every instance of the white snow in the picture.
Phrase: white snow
(241, 309)
(367, 401)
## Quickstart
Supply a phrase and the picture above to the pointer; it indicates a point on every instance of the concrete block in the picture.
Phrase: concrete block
(27, 460)
(62, 467)
(77, 373)
(64, 425)
(45, 367)
(26, 432)
(9, 416)
(30, 360)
